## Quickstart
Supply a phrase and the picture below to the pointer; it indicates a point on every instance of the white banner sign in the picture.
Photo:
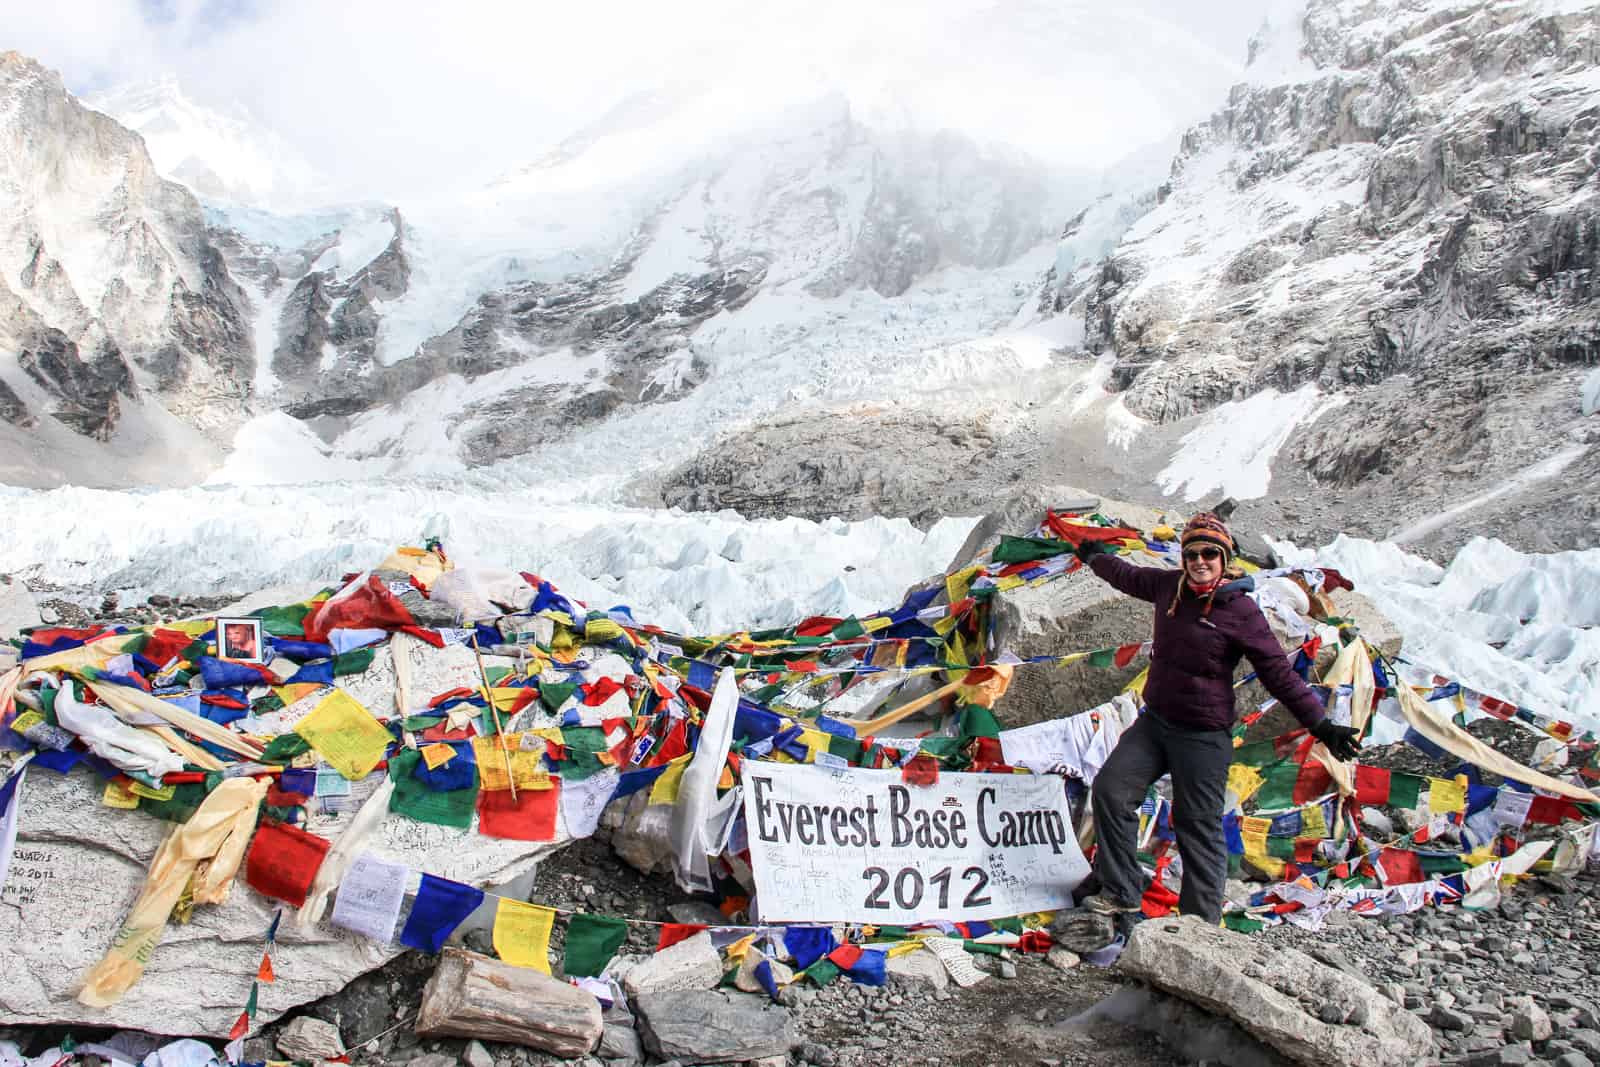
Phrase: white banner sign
(862, 846)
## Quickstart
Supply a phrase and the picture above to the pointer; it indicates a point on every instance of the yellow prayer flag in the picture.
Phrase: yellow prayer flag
(1445, 797)
(1312, 824)
(1009, 582)
(26, 721)
(815, 741)
(522, 933)
(1254, 824)
(525, 763)
(601, 630)
(1243, 781)
(165, 792)
(345, 735)
(876, 623)
(117, 797)
(902, 948)
(665, 788)
(293, 694)
(957, 584)
(437, 755)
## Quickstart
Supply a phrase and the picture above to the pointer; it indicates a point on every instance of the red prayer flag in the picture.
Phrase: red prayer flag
(1549, 811)
(283, 860)
(845, 956)
(672, 933)
(1312, 782)
(816, 626)
(530, 817)
(1372, 785)
(1400, 867)
(1125, 655)
(264, 973)
(241, 1026)
(921, 770)
(599, 691)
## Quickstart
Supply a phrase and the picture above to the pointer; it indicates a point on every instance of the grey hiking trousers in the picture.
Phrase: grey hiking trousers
(1198, 762)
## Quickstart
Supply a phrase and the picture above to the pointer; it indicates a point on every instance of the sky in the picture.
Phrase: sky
(391, 98)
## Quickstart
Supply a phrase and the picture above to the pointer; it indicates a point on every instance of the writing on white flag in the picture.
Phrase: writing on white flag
(852, 845)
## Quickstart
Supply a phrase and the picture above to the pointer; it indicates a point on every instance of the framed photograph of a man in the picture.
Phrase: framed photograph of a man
(240, 639)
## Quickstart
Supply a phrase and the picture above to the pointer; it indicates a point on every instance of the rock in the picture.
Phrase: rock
(1375, 821)
(72, 880)
(1529, 1022)
(619, 1042)
(307, 1038)
(474, 996)
(1062, 959)
(712, 1026)
(692, 963)
(696, 911)
(1008, 969)
(18, 609)
(1202, 964)
(1573, 1059)
(433, 1059)
(475, 1055)
(1082, 931)
(1446, 1018)
(919, 970)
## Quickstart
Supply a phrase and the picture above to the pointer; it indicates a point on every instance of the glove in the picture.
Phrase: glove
(1088, 549)
(1343, 741)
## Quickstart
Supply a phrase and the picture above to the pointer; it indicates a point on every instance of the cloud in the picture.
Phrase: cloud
(396, 99)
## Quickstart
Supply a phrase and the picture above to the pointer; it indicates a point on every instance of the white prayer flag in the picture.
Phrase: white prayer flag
(370, 896)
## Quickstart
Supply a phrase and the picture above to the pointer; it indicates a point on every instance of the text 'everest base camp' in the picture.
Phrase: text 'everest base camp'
(804, 581)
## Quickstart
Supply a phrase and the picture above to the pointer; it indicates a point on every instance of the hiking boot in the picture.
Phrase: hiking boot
(1105, 904)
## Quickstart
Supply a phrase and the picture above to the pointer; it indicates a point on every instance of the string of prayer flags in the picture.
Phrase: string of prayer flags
(264, 973)
(591, 942)
(283, 861)
(522, 933)
(345, 734)
(440, 906)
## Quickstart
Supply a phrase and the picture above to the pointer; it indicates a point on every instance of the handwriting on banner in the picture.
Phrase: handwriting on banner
(862, 846)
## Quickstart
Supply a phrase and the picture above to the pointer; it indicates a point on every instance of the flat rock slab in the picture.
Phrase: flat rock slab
(1265, 989)
(78, 866)
(712, 1026)
(692, 964)
(474, 996)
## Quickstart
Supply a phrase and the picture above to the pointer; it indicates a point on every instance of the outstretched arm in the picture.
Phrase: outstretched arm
(1146, 583)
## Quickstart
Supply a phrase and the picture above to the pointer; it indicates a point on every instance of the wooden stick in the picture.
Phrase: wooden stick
(905, 710)
(499, 729)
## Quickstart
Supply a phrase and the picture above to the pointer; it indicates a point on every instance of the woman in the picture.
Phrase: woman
(1204, 624)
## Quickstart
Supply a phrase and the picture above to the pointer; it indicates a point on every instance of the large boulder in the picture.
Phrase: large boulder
(78, 866)
(713, 1026)
(1310, 1012)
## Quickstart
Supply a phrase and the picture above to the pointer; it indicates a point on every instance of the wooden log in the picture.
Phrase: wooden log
(474, 996)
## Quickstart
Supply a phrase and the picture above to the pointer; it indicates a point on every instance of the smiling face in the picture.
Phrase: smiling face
(1202, 563)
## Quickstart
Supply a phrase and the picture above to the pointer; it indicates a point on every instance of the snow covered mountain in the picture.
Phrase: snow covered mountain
(111, 295)
(218, 156)
(1397, 209)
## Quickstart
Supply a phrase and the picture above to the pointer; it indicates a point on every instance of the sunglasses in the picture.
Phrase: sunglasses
(1202, 553)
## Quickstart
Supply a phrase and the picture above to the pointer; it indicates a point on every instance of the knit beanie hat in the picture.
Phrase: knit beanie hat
(1205, 528)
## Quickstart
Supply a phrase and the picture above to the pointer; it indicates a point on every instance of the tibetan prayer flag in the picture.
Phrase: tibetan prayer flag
(1405, 790)
(672, 933)
(591, 942)
(283, 861)
(416, 799)
(530, 816)
(1399, 867)
(265, 973)
(808, 944)
(440, 907)
(345, 734)
(522, 933)
(526, 764)
(1372, 785)
(1243, 781)
(1446, 797)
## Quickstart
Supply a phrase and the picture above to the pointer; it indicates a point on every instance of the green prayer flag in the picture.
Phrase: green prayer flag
(250, 1005)
(847, 749)
(554, 694)
(1280, 847)
(1103, 657)
(1027, 549)
(285, 747)
(1277, 785)
(414, 799)
(1242, 924)
(982, 947)
(822, 972)
(286, 621)
(591, 942)
(850, 627)
(978, 721)
(356, 661)
(1258, 754)
(1405, 789)
(264, 704)
(184, 802)
(1434, 864)
(584, 738)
